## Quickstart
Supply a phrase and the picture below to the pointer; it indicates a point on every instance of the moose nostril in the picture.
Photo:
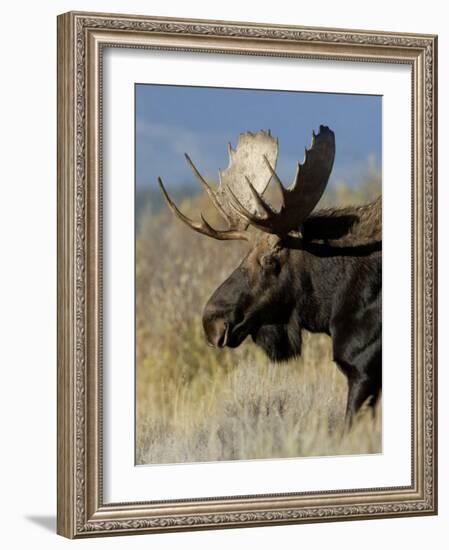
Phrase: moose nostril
(217, 332)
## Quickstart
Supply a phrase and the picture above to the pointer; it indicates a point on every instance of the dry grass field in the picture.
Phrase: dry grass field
(195, 403)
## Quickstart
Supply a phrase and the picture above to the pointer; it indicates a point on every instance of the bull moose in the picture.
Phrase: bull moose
(320, 271)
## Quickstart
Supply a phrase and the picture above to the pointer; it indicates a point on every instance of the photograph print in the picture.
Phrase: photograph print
(258, 256)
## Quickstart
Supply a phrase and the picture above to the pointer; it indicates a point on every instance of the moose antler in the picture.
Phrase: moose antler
(247, 159)
(301, 197)
(238, 196)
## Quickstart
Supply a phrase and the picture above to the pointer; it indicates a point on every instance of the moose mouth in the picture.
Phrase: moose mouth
(221, 333)
(235, 335)
(278, 343)
(232, 337)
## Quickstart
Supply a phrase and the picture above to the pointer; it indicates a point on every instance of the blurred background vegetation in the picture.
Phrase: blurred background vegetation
(196, 403)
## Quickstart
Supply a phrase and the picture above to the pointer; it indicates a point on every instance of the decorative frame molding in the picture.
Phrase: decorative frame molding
(81, 37)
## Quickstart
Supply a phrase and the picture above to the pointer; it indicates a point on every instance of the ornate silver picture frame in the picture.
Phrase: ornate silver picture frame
(83, 39)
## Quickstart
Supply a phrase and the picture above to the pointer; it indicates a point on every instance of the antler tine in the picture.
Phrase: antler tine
(261, 223)
(238, 207)
(203, 227)
(258, 199)
(277, 180)
(211, 193)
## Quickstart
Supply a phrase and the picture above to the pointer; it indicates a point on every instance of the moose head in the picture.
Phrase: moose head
(260, 298)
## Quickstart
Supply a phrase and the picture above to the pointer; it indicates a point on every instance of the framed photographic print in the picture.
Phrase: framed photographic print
(246, 274)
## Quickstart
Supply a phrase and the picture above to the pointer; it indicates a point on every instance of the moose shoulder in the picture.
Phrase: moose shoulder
(318, 271)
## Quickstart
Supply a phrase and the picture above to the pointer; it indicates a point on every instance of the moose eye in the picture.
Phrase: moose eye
(269, 262)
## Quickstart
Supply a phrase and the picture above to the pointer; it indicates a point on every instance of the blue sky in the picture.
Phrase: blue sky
(171, 120)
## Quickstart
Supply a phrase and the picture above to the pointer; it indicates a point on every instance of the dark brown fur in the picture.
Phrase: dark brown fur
(350, 226)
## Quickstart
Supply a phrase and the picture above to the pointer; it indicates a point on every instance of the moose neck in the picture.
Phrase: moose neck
(318, 282)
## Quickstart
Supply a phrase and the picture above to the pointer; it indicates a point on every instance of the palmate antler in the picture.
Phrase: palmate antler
(247, 158)
(238, 196)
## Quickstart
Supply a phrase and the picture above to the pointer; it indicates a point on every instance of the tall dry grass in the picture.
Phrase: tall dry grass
(196, 403)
